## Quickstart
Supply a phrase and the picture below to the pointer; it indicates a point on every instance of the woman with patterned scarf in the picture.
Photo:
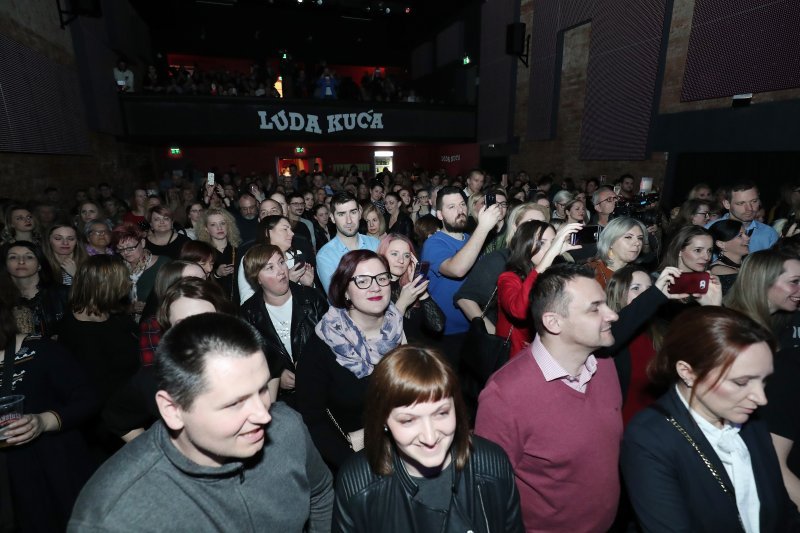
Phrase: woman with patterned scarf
(361, 326)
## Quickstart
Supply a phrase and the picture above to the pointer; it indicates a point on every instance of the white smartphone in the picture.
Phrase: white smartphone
(211, 178)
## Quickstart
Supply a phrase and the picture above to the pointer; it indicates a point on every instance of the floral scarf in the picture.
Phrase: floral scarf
(352, 350)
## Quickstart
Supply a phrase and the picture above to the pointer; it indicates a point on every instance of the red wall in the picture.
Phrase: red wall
(262, 158)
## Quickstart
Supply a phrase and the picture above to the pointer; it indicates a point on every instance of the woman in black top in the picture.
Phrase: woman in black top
(163, 239)
(422, 470)
(361, 326)
(422, 318)
(396, 220)
(731, 245)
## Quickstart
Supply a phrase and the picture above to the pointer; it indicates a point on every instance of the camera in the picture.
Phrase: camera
(643, 208)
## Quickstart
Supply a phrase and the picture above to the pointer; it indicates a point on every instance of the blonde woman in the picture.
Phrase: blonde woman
(219, 230)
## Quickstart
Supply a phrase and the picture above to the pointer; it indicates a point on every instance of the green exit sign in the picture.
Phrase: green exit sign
(175, 151)
(299, 150)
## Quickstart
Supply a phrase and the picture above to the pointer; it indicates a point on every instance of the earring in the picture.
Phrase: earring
(385, 429)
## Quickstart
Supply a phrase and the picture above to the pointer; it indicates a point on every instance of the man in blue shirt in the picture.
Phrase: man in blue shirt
(742, 202)
(452, 253)
(346, 216)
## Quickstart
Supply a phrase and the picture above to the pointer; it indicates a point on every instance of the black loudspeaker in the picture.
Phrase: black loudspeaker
(515, 39)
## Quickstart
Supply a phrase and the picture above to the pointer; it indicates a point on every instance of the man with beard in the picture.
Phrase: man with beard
(346, 216)
(451, 254)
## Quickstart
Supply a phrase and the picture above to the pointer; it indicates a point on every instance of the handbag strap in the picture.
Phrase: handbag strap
(727, 490)
(8, 367)
(489, 303)
(341, 431)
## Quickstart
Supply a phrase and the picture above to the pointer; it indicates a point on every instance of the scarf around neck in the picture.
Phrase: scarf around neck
(357, 354)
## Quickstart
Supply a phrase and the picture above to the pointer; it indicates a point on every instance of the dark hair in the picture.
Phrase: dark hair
(182, 353)
(724, 230)
(344, 272)
(376, 183)
(425, 226)
(706, 338)
(619, 285)
(526, 242)
(317, 207)
(407, 375)
(444, 191)
(195, 289)
(294, 194)
(169, 274)
(739, 186)
(341, 198)
(254, 260)
(267, 224)
(549, 292)
(45, 274)
(687, 211)
(197, 251)
(680, 241)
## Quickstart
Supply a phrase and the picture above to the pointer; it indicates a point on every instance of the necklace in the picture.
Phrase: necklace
(728, 262)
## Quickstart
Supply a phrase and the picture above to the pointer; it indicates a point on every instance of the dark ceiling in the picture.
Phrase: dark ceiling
(354, 32)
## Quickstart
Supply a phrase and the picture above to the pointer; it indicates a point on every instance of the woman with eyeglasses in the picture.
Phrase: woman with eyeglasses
(421, 205)
(194, 217)
(359, 328)
(560, 201)
(142, 265)
(163, 239)
(731, 245)
(98, 237)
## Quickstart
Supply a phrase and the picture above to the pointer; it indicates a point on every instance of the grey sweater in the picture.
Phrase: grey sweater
(150, 486)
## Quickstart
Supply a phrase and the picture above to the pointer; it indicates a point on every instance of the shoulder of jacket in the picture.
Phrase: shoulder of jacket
(489, 459)
(355, 476)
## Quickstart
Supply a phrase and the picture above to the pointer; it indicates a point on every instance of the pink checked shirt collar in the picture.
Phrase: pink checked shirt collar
(553, 371)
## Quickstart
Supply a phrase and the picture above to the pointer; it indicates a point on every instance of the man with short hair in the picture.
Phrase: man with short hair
(247, 216)
(221, 457)
(267, 208)
(743, 202)
(296, 208)
(376, 191)
(565, 450)
(626, 183)
(281, 199)
(451, 253)
(604, 201)
(346, 216)
(475, 181)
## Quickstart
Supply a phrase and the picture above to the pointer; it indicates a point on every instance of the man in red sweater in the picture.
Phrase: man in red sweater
(555, 409)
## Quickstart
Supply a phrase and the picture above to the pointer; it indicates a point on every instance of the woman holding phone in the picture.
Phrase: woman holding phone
(421, 316)
(220, 231)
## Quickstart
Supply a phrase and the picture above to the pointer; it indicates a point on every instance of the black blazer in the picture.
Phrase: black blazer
(670, 487)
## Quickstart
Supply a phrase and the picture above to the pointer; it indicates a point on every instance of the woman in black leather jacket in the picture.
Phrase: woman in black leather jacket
(285, 313)
(423, 320)
(421, 470)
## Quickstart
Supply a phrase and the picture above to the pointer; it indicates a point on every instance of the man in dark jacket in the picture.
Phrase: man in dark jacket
(221, 458)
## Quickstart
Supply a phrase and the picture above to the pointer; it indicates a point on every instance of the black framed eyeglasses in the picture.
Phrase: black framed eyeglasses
(704, 215)
(364, 281)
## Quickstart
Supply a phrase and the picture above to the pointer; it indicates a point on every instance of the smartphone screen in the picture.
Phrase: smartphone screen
(585, 235)
(211, 178)
(691, 283)
(491, 199)
(422, 268)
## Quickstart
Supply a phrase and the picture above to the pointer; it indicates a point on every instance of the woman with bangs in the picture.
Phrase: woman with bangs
(360, 327)
(422, 318)
(696, 460)
(422, 470)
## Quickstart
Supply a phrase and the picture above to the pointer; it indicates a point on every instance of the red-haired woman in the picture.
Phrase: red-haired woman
(421, 315)
(694, 460)
(359, 328)
(422, 470)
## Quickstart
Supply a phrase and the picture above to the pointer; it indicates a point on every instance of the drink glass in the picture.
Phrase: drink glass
(10, 410)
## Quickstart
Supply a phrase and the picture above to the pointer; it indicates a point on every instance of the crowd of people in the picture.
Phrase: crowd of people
(295, 354)
(263, 80)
